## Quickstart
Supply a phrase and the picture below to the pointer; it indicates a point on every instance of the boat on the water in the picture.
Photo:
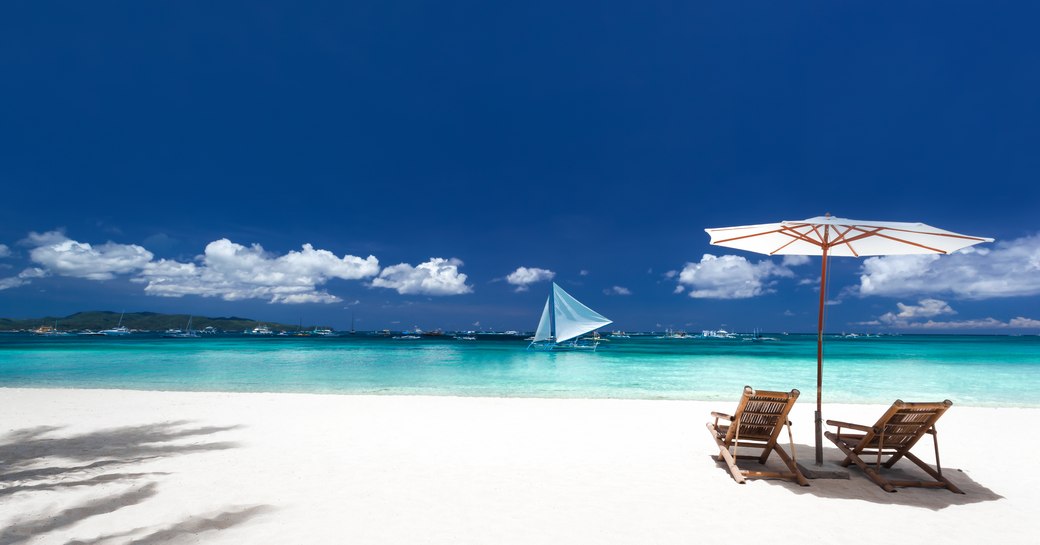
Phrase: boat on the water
(259, 330)
(188, 333)
(565, 319)
(48, 331)
(118, 330)
(717, 334)
(757, 337)
(619, 335)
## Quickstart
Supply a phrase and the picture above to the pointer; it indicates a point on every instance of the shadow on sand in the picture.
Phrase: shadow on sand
(859, 488)
(187, 530)
(35, 460)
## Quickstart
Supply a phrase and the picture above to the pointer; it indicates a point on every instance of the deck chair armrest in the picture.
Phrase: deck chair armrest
(839, 424)
(723, 416)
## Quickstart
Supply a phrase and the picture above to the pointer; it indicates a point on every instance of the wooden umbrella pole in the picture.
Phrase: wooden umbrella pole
(819, 355)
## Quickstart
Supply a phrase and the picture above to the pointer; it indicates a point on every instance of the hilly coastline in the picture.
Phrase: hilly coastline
(144, 321)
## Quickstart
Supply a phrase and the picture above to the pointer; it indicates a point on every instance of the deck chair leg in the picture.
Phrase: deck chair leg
(863, 466)
(934, 474)
(895, 458)
(792, 466)
(732, 463)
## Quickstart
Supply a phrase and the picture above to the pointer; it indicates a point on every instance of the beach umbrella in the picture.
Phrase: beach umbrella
(828, 236)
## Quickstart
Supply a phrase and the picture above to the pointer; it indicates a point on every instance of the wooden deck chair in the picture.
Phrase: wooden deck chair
(757, 423)
(894, 434)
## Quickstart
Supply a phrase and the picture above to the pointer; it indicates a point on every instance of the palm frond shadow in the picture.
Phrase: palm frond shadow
(21, 448)
(34, 460)
(27, 528)
(187, 530)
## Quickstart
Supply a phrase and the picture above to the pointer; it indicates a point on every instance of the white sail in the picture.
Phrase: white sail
(544, 325)
(572, 317)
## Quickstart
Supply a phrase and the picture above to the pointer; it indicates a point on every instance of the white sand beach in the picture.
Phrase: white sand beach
(112, 466)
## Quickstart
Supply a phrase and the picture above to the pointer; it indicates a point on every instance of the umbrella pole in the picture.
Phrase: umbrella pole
(819, 361)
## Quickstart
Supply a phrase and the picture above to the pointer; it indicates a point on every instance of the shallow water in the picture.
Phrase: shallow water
(970, 370)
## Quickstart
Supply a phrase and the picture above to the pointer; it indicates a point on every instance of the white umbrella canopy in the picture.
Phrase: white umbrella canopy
(842, 237)
(829, 236)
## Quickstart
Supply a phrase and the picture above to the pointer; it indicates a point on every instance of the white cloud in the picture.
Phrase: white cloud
(983, 323)
(911, 316)
(22, 279)
(66, 257)
(730, 277)
(795, 260)
(617, 290)
(926, 308)
(438, 276)
(523, 276)
(679, 288)
(1021, 322)
(33, 272)
(234, 272)
(583, 272)
(4, 250)
(1009, 269)
(12, 282)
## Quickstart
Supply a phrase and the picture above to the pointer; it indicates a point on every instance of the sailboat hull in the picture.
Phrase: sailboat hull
(566, 346)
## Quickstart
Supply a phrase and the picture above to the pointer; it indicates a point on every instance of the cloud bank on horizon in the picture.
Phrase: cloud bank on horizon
(233, 272)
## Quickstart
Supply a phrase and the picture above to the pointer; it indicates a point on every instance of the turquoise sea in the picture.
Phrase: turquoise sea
(970, 370)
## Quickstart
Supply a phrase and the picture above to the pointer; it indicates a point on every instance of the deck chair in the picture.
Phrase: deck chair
(894, 434)
(756, 424)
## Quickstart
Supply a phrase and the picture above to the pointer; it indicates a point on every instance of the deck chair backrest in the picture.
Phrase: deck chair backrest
(905, 423)
(761, 414)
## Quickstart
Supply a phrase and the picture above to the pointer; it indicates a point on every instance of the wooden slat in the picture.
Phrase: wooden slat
(901, 427)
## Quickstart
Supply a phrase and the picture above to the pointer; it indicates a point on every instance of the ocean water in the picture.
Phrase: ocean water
(970, 370)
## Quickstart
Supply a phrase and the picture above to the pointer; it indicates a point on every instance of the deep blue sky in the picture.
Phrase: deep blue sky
(599, 136)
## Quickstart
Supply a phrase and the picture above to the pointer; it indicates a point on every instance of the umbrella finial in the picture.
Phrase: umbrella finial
(827, 215)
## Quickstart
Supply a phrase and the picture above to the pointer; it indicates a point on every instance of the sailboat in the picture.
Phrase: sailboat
(118, 330)
(564, 319)
(178, 334)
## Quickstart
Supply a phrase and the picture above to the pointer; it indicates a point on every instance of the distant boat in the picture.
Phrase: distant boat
(189, 333)
(619, 335)
(48, 331)
(323, 332)
(564, 319)
(258, 330)
(89, 333)
(757, 337)
(118, 330)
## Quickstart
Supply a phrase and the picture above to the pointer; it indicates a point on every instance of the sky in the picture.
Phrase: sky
(437, 164)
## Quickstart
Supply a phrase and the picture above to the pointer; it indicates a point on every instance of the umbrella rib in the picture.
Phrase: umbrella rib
(795, 237)
(842, 240)
(889, 237)
(949, 235)
(748, 236)
(823, 242)
(790, 242)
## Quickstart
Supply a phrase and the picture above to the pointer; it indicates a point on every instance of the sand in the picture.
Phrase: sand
(112, 466)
